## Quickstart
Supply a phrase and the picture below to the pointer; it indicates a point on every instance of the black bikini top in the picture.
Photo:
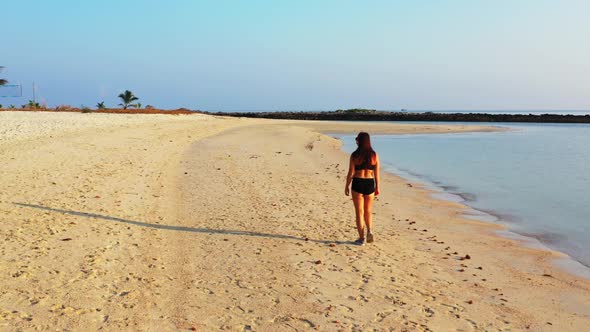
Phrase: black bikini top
(364, 165)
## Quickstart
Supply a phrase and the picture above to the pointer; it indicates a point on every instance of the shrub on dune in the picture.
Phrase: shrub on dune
(33, 105)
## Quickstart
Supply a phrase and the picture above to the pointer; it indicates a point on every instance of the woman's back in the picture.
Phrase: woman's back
(364, 164)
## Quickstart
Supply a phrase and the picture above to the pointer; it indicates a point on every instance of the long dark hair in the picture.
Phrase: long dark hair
(364, 153)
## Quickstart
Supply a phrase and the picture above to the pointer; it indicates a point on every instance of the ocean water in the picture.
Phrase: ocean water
(535, 178)
(535, 112)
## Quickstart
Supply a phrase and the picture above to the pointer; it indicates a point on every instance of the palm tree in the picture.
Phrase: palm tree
(127, 98)
(2, 81)
(101, 105)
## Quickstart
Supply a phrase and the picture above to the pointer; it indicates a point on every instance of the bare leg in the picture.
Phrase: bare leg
(368, 212)
(357, 199)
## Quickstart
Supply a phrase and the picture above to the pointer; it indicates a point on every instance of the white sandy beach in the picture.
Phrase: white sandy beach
(160, 222)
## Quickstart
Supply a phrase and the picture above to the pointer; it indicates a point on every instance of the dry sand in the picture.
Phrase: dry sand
(157, 222)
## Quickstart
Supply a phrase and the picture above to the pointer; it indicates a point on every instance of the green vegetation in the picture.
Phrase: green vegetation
(101, 105)
(357, 111)
(85, 109)
(127, 99)
(32, 105)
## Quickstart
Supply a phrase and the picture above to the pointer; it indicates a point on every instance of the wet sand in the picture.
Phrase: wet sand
(203, 223)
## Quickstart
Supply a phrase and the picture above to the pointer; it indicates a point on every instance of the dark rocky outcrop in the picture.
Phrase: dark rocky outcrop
(374, 115)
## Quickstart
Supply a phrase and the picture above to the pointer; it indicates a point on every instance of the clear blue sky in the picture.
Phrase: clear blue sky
(305, 54)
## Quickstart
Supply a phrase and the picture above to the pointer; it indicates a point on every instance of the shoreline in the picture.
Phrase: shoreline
(545, 259)
(448, 192)
(568, 263)
(209, 223)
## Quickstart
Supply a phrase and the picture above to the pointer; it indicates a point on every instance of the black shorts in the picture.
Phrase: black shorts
(363, 186)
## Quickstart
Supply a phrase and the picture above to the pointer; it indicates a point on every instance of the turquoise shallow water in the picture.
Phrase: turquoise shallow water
(534, 178)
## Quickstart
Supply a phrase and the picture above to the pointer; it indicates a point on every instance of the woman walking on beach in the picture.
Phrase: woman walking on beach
(363, 172)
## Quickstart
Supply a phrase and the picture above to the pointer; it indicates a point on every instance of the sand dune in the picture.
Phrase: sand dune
(194, 222)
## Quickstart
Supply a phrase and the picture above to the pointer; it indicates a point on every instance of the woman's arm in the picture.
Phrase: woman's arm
(349, 177)
(377, 175)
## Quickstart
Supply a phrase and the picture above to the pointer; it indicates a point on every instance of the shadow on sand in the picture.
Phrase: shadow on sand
(179, 228)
